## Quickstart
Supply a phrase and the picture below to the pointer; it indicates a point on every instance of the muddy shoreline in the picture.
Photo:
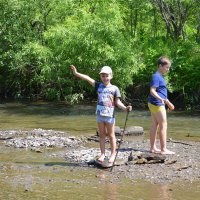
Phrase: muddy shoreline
(184, 165)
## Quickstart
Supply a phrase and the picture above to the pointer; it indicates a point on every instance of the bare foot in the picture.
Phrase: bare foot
(101, 158)
(167, 152)
(155, 150)
(112, 158)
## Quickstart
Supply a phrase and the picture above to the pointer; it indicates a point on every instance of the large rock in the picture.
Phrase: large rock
(131, 130)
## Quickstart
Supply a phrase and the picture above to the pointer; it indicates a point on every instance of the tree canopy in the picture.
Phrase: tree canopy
(40, 39)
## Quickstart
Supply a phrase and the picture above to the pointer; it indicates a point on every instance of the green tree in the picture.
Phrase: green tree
(93, 36)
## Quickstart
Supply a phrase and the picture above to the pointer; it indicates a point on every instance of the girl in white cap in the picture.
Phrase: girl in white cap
(108, 97)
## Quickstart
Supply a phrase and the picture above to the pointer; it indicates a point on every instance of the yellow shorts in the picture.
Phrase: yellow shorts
(155, 109)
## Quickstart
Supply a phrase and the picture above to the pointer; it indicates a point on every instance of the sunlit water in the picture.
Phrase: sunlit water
(28, 175)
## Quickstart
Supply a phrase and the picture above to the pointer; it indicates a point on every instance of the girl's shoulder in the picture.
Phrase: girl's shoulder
(98, 84)
(157, 75)
(115, 87)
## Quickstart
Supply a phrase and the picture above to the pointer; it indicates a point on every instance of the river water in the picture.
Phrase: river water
(28, 175)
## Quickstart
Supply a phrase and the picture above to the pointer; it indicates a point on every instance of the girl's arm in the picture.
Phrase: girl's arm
(164, 101)
(82, 76)
(169, 104)
(120, 105)
(155, 94)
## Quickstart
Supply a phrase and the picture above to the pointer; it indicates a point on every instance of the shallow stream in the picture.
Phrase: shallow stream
(25, 174)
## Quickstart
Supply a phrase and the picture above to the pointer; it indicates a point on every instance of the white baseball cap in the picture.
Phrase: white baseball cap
(106, 70)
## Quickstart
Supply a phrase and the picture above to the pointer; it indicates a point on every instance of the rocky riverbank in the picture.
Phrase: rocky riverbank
(131, 160)
(39, 138)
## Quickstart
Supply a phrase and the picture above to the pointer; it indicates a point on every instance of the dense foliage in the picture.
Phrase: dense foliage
(40, 39)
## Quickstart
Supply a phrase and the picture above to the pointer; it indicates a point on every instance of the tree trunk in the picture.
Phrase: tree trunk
(174, 16)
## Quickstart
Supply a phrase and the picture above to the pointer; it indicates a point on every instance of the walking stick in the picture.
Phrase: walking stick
(121, 139)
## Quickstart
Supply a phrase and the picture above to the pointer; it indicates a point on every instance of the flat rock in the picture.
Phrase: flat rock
(105, 163)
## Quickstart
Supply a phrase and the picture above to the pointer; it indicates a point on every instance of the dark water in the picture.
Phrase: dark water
(28, 175)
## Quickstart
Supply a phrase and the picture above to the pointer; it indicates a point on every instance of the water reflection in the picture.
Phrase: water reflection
(109, 191)
(165, 192)
(138, 191)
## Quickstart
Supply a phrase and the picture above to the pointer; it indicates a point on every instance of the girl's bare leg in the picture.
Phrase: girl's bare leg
(162, 121)
(111, 133)
(102, 138)
(153, 134)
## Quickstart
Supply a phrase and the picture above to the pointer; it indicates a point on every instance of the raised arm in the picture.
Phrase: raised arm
(82, 76)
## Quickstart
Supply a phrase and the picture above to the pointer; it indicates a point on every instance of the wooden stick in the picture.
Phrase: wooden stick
(121, 139)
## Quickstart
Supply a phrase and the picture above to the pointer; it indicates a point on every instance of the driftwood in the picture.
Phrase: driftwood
(174, 141)
(105, 163)
(169, 162)
(147, 158)
(150, 158)
(184, 167)
(95, 138)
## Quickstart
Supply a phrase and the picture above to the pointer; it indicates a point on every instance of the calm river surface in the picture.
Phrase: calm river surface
(28, 175)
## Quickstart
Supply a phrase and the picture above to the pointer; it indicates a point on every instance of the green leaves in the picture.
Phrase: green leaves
(40, 39)
(91, 40)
